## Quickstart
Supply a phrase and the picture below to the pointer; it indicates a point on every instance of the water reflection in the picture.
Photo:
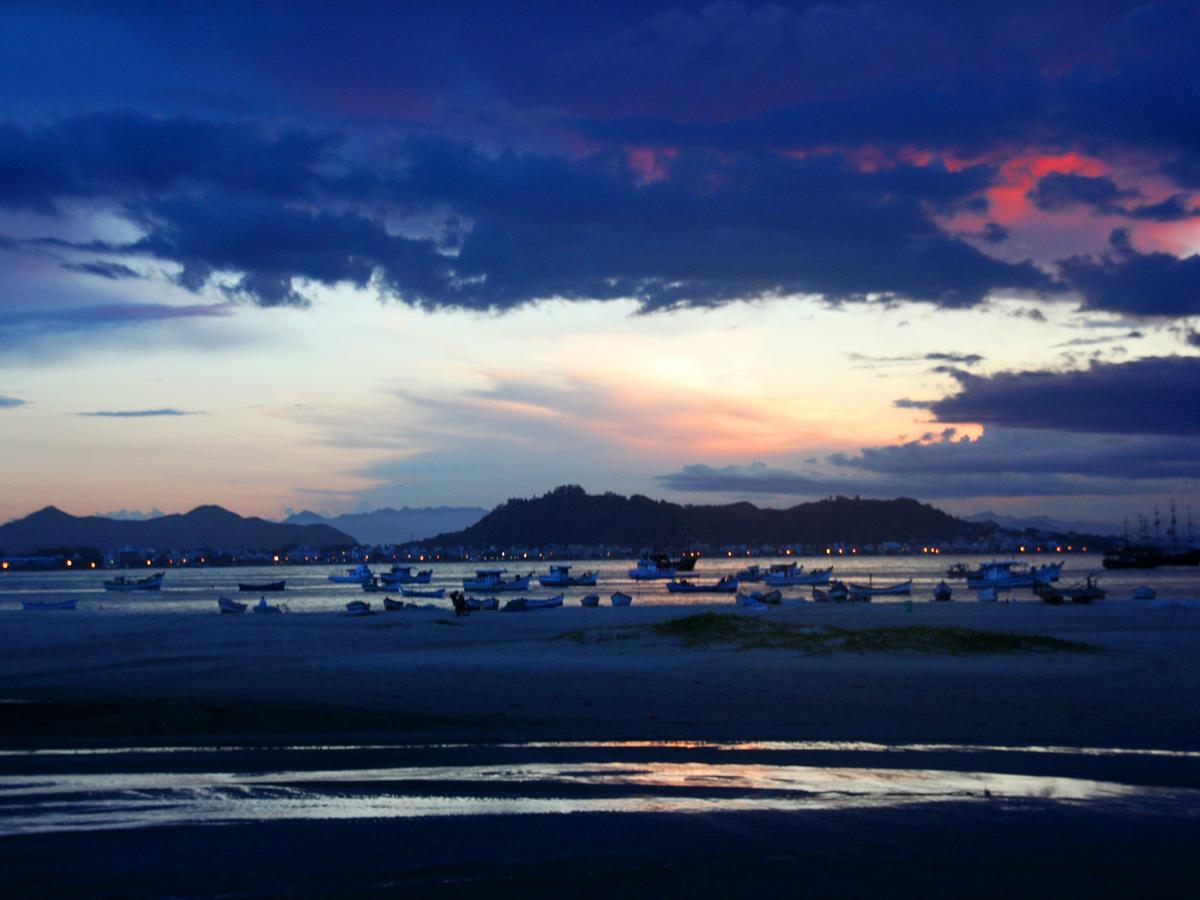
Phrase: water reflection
(87, 802)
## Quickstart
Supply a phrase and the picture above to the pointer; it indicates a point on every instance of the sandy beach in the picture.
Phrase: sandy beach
(575, 750)
(494, 676)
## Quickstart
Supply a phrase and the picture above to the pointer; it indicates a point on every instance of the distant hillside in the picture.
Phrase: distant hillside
(569, 515)
(1046, 524)
(393, 526)
(204, 526)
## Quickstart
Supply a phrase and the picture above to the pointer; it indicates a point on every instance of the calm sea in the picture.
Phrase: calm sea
(195, 590)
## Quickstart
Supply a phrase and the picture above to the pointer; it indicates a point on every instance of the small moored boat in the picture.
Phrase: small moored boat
(225, 605)
(765, 598)
(432, 595)
(869, 590)
(654, 566)
(943, 592)
(750, 573)
(122, 584)
(526, 604)
(1144, 593)
(560, 576)
(790, 574)
(493, 580)
(264, 607)
(264, 587)
(727, 585)
(358, 575)
(619, 599)
(404, 575)
(391, 605)
(358, 608)
(1084, 592)
(589, 600)
(49, 604)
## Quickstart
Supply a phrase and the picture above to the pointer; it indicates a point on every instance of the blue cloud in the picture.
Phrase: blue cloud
(139, 413)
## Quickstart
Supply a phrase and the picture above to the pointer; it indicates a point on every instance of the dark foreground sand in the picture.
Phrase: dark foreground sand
(493, 676)
(423, 679)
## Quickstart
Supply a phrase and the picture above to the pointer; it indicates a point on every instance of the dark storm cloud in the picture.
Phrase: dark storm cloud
(1123, 280)
(1146, 396)
(138, 413)
(718, 88)
(541, 227)
(126, 155)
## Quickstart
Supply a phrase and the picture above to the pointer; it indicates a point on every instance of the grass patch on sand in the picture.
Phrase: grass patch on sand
(743, 633)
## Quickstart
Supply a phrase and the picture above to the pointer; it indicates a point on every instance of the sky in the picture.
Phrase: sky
(345, 256)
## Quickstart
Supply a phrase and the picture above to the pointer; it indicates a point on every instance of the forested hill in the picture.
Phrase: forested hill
(569, 515)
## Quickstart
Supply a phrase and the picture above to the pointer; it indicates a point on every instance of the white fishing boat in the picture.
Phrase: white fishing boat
(560, 576)
(493, 580)
(869, 590)
(653, 566)
(360, 574)
(124, 584)
(789, 574)
(589, 600)
(48, 604)
(405, 575)
(225, 605)
(358, 608)
(620, 599)
(264, 607)
(1008, 575)
(527, 604)
(417, 592)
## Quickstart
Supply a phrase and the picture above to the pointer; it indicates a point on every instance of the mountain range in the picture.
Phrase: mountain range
(568, 515)
(394, 526)
(204, 526)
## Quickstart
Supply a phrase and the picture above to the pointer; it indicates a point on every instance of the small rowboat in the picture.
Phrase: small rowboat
(478, 603)
(768, 598)
(590, 600)
(358, 608)
(493, 580)
(727, 585)
(525, 604)
(392, 605)
(619, 599)
(942, 592)
(48, 604)
(225, 605)
(262, 588)
(900, 587)
(432, 595)
(1144, 593)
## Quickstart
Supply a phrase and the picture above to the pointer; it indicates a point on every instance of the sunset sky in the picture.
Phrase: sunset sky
(343, 256)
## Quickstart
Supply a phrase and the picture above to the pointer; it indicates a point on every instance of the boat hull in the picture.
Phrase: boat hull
(262, 588)
(891, 590)
(152, 583)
